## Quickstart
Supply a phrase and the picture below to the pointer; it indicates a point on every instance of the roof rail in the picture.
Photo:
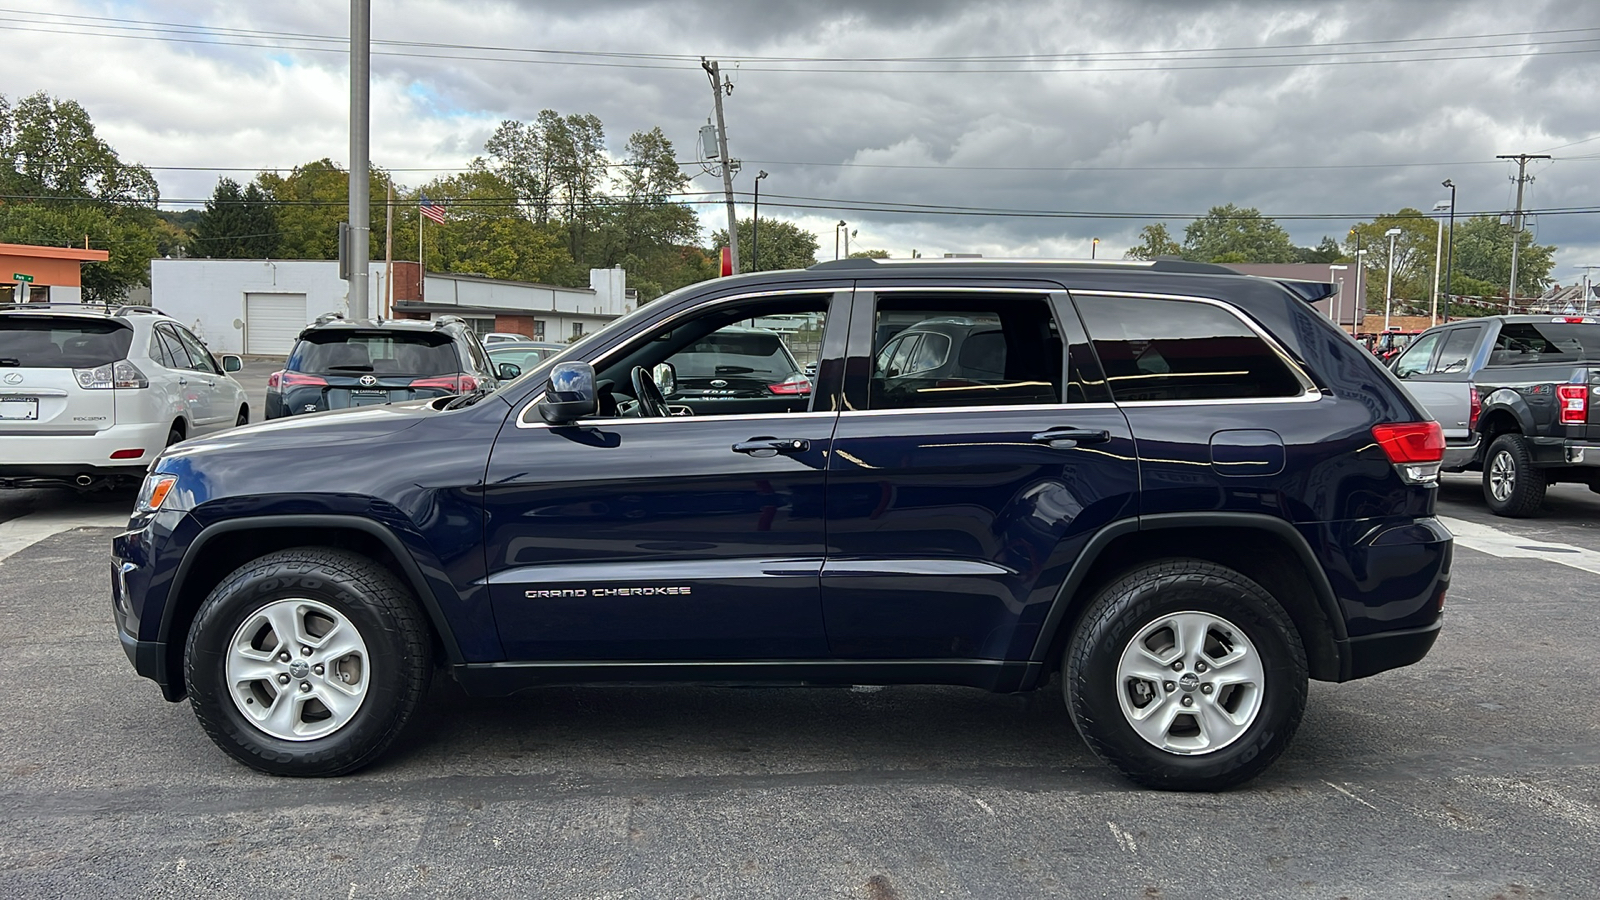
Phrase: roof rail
(86, 307)
(327, 317)
(449, 319)
(146, 310)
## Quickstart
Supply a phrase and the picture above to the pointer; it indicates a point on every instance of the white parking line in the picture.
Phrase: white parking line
(24, 531)
(1505, 545)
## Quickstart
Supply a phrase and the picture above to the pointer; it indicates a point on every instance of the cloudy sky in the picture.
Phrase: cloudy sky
(1064, 121)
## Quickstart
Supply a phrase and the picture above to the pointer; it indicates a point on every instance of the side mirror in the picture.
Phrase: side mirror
(665, 375)
(571, 394)
(231, 363)
(509, 371)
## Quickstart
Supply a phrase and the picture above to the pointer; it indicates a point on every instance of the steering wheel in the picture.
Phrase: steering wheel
(651, 403)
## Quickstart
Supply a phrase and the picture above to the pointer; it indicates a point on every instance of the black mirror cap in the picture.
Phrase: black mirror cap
(231, 363)
(509, 371)
(571, 394)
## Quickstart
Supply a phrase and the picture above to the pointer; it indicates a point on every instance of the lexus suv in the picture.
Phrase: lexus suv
(1181, 489)
(339, 364)
(88, 398)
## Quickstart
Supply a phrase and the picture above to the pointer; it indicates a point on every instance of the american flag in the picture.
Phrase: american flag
(432, 210)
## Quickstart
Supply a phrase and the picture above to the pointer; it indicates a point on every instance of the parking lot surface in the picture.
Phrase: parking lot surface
(1470, 775)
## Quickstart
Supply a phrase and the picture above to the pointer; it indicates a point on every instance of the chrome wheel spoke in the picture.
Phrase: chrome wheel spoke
(1191, 631)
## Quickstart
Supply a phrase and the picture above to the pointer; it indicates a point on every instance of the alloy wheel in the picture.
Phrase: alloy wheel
(1502, 476)
(297, 669)
(1190, 683)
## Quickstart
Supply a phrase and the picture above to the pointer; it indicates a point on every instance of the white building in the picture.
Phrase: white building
(259, 306)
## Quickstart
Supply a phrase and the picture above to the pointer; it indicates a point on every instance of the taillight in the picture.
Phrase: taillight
(1415, 448)
(286, 379)
(120, 374)
(1574, 403)
(457, 383)
(1476, 406)
(793, 385)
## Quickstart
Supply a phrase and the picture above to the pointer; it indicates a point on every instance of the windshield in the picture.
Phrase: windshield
(341, 352)
(62, 342)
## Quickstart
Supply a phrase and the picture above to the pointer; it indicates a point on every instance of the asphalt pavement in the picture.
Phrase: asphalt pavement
(1469, 775)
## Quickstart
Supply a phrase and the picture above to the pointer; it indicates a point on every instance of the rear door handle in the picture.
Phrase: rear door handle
(1066, 438)
(764, 447)
(183, 381)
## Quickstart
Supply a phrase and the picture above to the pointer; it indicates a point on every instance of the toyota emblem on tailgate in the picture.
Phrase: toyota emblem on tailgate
(369, 380)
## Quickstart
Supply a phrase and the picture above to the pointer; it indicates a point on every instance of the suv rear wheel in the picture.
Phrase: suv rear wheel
(1185, 675)
(307, 662)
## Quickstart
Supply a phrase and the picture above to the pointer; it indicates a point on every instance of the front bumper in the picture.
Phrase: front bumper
(141, 580)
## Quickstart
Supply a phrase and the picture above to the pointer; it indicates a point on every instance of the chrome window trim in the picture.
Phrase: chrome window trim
(1044, 291)
(1310, 393)
(999, 407)
(830, 292)
(640, 420)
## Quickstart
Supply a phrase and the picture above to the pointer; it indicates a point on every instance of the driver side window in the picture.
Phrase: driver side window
(745, 359)
(1416, 358)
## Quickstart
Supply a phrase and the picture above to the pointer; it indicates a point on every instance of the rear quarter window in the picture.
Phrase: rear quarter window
(1526, 343)
(1173, 350)
(61, 342)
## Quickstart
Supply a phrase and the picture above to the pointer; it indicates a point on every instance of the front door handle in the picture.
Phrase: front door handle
(1067, 438)
(764, 447)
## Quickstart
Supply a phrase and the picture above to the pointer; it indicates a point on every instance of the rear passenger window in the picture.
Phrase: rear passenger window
(1165, 350)
(965, 350)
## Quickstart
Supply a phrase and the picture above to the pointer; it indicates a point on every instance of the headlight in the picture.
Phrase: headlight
(154, 492)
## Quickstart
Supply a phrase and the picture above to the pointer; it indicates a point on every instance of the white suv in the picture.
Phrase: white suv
(88, 398)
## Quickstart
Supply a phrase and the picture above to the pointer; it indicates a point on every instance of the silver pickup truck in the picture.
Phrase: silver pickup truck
(1518, 398)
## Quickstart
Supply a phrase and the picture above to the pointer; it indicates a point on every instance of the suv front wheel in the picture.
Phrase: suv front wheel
(307, 662)
(1185, 675)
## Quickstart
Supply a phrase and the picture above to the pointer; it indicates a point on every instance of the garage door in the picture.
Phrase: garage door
(272, 321)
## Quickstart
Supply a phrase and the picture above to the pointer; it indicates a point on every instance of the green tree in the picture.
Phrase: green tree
(1412, 262)
(870, 254)
(237, 223)
(1231, 234)
(784, 245)
(485, 233)
(65, 187)
(1154, 242)
(48, 148)
(129, 235)
(311, 201)
(1328, 251)
(1483, 260)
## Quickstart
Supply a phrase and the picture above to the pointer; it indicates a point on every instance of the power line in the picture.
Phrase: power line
(180, 33)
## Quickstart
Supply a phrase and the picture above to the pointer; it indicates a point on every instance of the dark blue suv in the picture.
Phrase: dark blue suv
(1181, 488)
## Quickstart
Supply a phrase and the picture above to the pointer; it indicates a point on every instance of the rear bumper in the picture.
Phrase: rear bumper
(1374, 653)
(1460, 456)
(1587, 455)
(60, 458)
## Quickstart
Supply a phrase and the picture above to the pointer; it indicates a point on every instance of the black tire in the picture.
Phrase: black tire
(1509, 457)
(396, 662)
(244, 417)
(1198, 590)
(174, 434)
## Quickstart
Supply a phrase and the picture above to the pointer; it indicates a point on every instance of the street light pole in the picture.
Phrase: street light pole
(1338, 292)
(1388, 288)
(1361, 294)
(836, 229)
(1094, 247)
(1450, 254)
(1438, 249)
(755, 226)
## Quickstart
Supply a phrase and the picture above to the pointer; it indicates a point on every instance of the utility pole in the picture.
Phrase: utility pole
(360, 123)
(717, 89)
(1516, 217)
(388, 252)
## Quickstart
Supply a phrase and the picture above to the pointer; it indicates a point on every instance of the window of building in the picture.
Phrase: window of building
(1163, 350)
(538, 329)
(577, 329)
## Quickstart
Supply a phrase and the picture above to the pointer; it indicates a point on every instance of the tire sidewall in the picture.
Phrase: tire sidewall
(1092, 687)
(206, 670)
